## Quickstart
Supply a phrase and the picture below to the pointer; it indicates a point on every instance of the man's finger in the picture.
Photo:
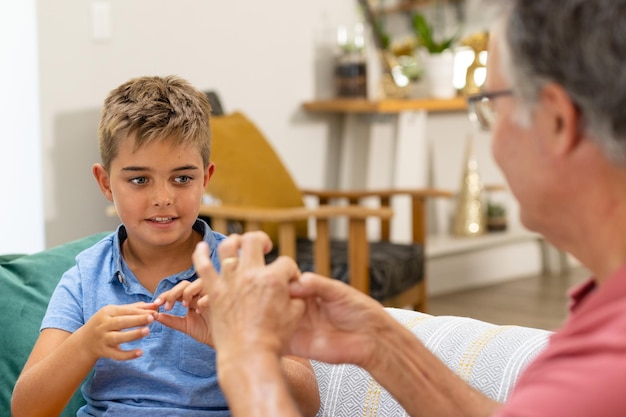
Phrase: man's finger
(170, 320)
(327, 289)
(286, 267)
(229, 248)
(202, 262)
(253, 249)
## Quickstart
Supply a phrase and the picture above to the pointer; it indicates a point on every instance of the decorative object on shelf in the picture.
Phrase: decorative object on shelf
(393, 82)
(350, 67)
(426, 38)
(404, 51)
(396, 83)
(496, 217)
(439, 73)
(438, 57)
(402, 62)
(470, 214)
(476, 72)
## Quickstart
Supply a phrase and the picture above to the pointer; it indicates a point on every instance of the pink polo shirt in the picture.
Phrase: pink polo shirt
(582, 373)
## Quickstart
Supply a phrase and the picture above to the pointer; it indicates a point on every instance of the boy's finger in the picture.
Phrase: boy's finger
(130, 321)
(191, 292)
(171, 296)
(129, 335)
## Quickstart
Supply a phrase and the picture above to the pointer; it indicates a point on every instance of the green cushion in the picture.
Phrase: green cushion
(26, 284)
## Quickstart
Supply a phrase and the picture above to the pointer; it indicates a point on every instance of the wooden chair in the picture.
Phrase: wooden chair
(255, 189)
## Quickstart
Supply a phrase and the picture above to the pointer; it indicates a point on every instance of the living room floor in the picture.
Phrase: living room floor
(537, 301)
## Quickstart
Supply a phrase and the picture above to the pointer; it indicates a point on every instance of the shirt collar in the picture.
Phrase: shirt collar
(120, 236)
(578, 293)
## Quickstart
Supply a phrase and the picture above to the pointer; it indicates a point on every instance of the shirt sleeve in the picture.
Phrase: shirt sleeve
(582, 373)
(65, 311)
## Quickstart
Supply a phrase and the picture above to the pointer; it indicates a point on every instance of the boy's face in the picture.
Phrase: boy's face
(157, 189)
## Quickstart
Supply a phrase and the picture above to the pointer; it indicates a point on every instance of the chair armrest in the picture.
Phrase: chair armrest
(358, 250)
(418, 196)
(381, 193)
(266, 214)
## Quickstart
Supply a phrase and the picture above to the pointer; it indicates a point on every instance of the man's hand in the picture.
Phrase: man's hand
(247, 307)
(340, 325)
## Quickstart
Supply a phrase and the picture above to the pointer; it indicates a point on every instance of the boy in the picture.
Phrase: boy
(154, 139)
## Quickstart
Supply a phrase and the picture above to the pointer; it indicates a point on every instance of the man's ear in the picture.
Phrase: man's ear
(562, 118)
(104, 182)
(208, 173)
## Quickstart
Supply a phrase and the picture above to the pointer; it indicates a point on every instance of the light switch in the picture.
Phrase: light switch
(101, 20)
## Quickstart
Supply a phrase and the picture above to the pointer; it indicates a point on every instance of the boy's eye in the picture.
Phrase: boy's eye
(139, 180)
(182, 179)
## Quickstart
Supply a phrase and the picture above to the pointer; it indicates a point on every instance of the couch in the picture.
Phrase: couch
(489, 357)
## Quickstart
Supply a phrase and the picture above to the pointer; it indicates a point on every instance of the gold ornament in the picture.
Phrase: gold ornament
(470, 215)
(478, 42)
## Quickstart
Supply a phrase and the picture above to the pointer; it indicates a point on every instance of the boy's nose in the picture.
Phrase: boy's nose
(163, 197)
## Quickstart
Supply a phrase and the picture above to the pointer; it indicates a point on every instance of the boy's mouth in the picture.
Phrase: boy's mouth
(162, 220)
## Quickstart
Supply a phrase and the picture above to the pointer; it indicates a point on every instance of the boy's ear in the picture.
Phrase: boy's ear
(102, 178)
(208, 173)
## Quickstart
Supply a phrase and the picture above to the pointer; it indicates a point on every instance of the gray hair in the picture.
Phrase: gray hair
(581, 45)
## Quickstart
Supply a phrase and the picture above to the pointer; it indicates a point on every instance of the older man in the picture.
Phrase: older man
(555, 101)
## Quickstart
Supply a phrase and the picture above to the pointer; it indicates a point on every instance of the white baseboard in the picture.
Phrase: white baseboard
(455, 264)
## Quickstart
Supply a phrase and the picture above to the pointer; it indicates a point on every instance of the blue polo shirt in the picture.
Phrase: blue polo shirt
(175, 376)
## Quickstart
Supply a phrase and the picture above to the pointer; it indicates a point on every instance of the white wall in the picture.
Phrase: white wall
(21, 197)
(264, 57)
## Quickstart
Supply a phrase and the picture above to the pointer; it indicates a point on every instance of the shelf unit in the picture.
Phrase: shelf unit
(399, 145)
(389, 106)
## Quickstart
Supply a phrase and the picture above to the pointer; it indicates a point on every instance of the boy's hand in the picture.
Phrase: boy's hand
(194, 323)
(114, 325)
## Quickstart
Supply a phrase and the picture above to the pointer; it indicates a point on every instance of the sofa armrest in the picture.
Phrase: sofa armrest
(27, 282)
(489, 357)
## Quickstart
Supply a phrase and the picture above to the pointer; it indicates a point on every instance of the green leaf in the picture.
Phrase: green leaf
(425, 37)
(423, 31)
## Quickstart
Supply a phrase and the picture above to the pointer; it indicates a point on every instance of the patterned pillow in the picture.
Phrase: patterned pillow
(487, 356)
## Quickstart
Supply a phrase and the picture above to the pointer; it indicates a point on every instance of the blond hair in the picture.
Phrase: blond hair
(154, 108)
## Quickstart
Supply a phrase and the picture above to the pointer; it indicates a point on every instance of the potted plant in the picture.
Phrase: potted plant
(496, 216)
(425, 35)
(438, 59)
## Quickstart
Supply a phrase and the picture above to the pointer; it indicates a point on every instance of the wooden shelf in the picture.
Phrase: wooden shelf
(403, 6)
(348, 105)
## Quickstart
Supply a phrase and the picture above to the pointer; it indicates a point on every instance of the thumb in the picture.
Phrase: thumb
(170, 320)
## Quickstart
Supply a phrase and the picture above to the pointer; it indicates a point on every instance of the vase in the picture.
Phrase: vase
(439, 72)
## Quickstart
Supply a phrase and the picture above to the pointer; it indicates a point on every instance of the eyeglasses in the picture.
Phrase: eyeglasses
(480, 107)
